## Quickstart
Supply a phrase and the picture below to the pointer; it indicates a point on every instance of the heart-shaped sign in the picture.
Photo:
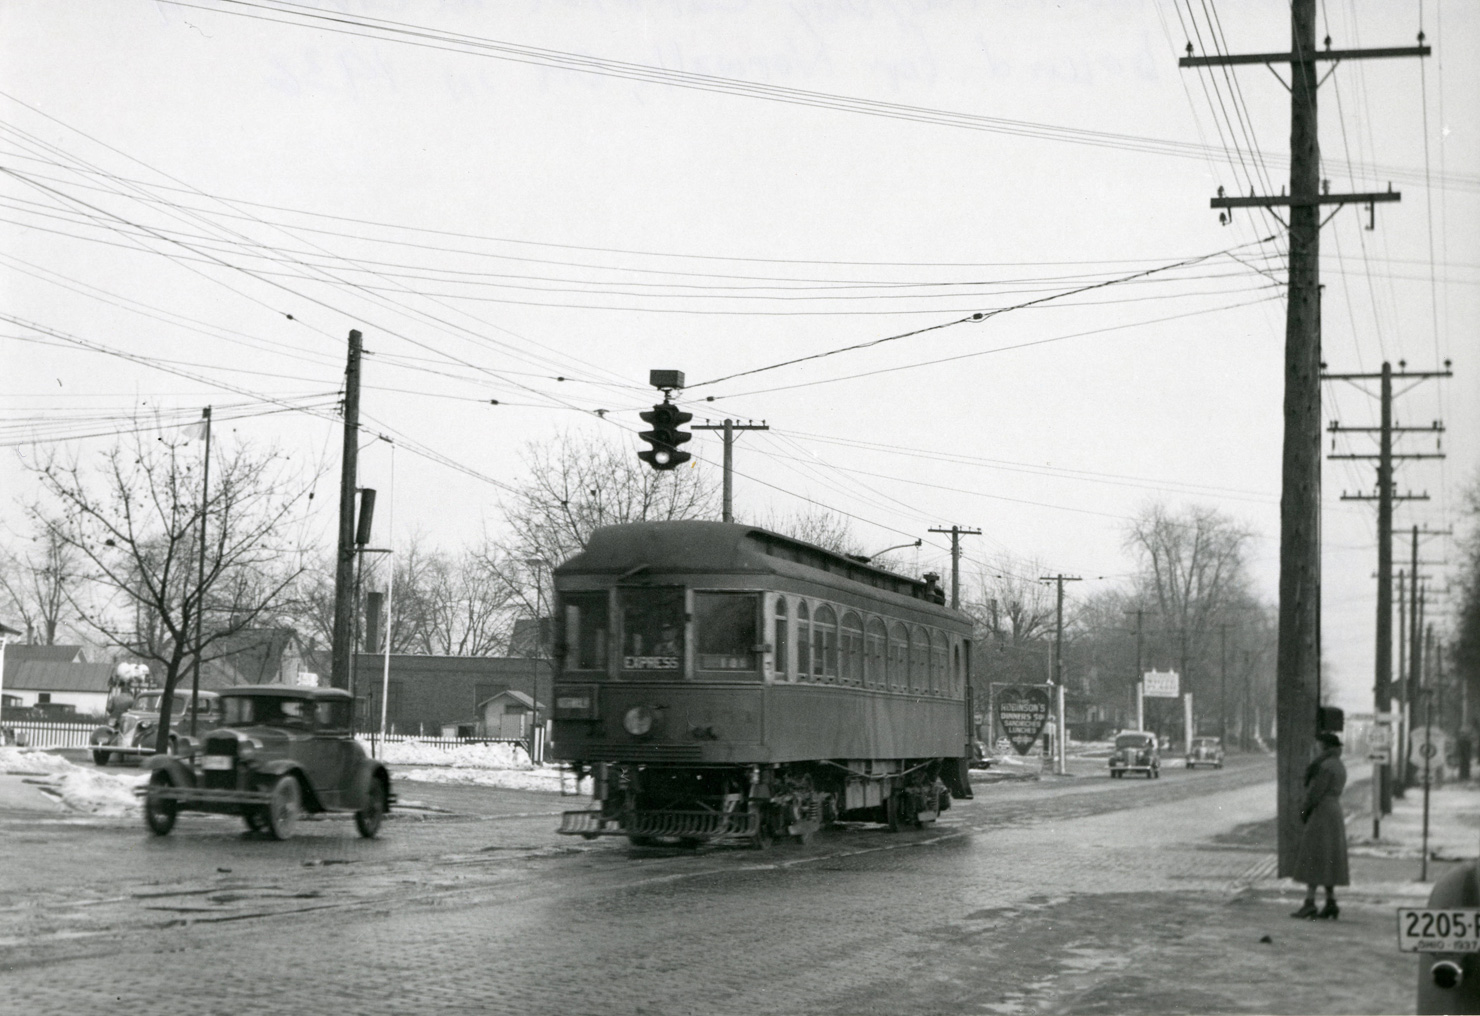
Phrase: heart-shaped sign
(1022, 711)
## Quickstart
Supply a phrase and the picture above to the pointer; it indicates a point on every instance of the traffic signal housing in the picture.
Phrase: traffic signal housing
(665, 437)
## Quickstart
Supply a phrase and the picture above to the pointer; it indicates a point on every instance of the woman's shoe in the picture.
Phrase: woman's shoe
(1307, 910)
(1330, 911)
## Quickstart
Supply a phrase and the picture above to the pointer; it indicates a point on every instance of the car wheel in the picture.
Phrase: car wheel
(101, 757)
(283, 807)
(256, 819)
(1155, 774)
(368, 818)
(159, 811)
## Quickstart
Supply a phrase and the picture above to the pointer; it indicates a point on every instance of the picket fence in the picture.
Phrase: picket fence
(57, 734)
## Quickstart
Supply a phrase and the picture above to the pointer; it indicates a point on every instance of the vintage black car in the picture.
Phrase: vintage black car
(1135, 752)
(132, 734)
(279, 751)
(1205, 751)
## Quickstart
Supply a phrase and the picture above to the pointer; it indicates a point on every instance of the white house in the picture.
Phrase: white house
(58, 684)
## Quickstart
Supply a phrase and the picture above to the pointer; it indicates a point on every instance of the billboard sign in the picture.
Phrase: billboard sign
(1022, 712)
(1161, 684)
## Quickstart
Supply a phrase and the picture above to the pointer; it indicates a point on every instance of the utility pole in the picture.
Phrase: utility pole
(344, 570)
(729, 427)
(1385, 496)
(200, 574)
(956, 533)
(1058, 663)
(1298, 661)
(1140, 613)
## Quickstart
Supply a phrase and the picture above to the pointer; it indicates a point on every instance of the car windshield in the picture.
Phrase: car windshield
(1132, 740)
(149, 703)
(1205, 742)
(268, 710)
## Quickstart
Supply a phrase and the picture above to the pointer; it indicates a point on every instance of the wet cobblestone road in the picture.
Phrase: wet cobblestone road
(470, 903)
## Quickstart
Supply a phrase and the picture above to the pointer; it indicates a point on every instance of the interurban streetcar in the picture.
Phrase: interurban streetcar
(719, 682)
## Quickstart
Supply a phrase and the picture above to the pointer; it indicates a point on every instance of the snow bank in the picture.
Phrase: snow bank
(32, 760)
(81, 788)
(464, 756)
(545, 778)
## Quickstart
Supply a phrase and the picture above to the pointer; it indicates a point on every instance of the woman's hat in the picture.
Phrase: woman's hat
(1329, 740)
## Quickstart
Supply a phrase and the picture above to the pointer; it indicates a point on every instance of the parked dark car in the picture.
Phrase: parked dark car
(280, 751)
(1135, 752)
(132, 734)
(1205, 751)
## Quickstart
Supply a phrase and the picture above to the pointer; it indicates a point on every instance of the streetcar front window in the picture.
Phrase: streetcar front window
(725, 630)
(586, 628)
(652, 629)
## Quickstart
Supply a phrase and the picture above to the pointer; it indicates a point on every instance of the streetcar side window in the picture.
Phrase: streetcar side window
(652, 629)
(782, 658)
(937, 662)
(852, 670)
(586, 628)
(825, 644)
(919, 660)
(899, 657)
(875, 667)
(804, 641)
(956, 682)
(725, 630)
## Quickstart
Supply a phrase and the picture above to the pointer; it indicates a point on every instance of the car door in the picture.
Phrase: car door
(326, 756)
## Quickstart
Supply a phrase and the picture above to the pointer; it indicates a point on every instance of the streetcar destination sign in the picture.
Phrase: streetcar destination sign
(1429, 929)
(1022, 710)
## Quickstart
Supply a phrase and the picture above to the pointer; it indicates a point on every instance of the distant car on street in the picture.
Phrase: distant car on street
(279, 751)
(1135, 752)
(1205, 751)
(133, 733)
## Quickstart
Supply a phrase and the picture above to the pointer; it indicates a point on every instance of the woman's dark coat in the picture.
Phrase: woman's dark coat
(1322, 857)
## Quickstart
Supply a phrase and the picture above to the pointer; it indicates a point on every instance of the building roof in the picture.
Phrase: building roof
(16, 655)
(54, 675)
(518, 696)
(406, 666)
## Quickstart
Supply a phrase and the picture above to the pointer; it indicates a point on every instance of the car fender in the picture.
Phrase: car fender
(103, 735)
(181, 775)
(287, 767)
(369, 770)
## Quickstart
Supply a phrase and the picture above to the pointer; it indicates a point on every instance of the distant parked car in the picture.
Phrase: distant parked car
(1205, 751)
(278, 752)
(1135, 752)
(132, 734)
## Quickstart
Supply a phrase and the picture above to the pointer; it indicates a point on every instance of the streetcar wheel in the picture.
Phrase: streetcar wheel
(283, 808)
(644, 841)
(159, 811)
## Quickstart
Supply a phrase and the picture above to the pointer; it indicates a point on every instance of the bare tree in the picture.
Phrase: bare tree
(577, 484)
(1192, 571)
(1008, 602)
(134, 524)
(37, 585)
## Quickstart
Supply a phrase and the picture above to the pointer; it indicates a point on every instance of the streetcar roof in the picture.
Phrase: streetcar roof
(694, 546)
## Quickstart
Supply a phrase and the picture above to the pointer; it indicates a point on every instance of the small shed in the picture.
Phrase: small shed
(506, 714)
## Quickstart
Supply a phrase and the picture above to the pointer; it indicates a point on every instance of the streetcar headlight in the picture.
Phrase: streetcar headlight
(639, 721)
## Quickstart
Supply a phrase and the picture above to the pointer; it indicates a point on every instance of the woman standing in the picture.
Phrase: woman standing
(1322, 857)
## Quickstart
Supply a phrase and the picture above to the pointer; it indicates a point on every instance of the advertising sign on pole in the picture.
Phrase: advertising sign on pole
(1161, 684)
(1022, 712)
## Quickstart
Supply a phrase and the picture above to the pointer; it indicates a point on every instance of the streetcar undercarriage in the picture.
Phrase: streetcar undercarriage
(756, 804)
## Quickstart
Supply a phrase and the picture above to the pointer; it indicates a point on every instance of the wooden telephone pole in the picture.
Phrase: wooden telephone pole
(729, 427)
(1298, 664)
(1385, 496)
(956, 533)
(344, 569)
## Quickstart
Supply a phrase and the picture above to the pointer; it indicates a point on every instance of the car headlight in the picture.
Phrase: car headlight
(639, 721)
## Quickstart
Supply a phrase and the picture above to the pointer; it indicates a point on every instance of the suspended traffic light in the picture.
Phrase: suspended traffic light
(665, 437)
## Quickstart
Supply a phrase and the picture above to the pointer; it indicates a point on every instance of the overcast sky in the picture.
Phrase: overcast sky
(500, 195)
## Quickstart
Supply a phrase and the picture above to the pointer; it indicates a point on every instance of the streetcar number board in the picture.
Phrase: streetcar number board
(1428, 929)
